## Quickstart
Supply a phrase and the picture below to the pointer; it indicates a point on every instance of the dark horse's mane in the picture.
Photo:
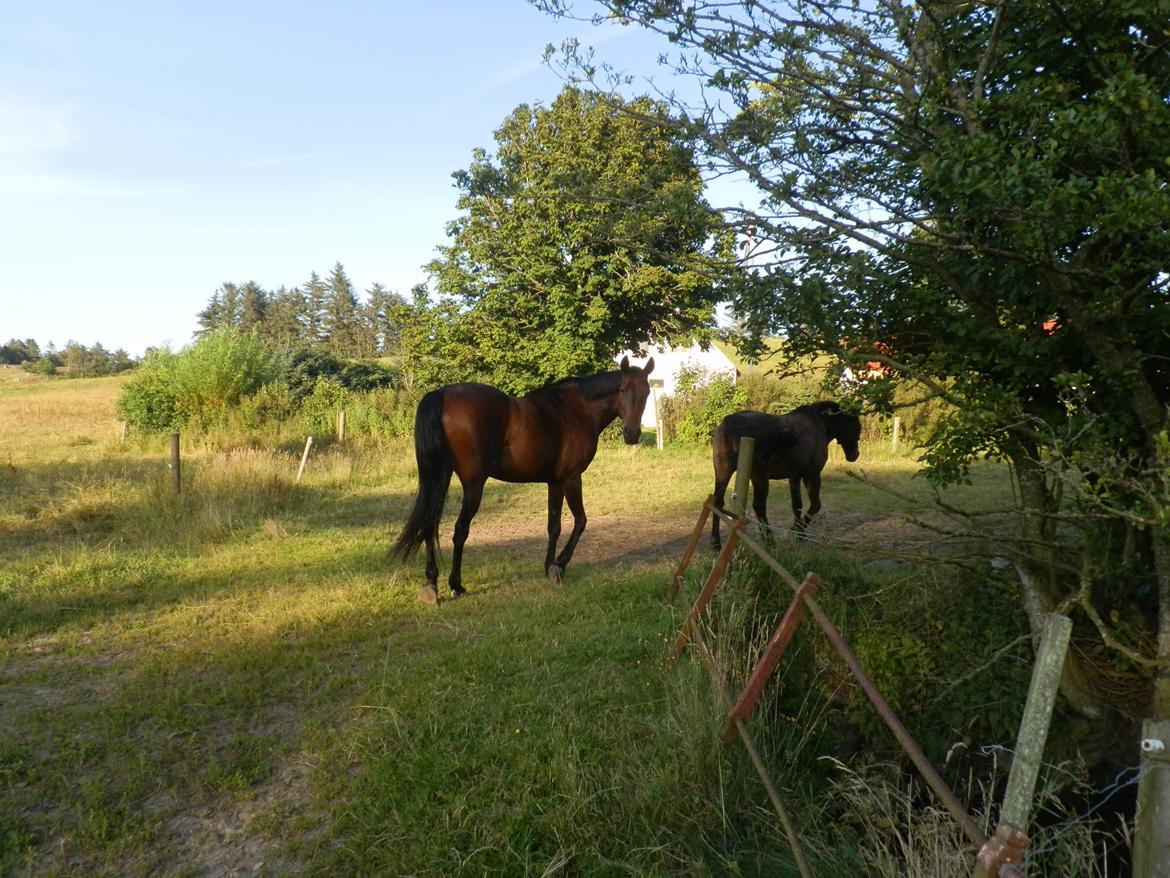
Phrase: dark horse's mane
(591, 386)
(824, 407)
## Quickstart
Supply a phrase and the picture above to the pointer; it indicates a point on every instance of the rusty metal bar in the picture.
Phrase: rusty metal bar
(757, 761)
(688, 626)
(696, 535)
(777, 644)
(925, 768)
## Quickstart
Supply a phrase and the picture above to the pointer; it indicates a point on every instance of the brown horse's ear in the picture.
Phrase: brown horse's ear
(625, 364)
(649, 367)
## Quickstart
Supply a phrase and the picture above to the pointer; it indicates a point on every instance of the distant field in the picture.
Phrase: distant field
(238, 681)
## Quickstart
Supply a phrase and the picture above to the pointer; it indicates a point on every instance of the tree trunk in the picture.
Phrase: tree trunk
(1040, 579)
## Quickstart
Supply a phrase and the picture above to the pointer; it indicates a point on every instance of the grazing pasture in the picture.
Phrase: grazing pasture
(238, 680)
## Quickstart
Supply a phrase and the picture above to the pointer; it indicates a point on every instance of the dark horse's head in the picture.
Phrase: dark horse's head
(632, 396)
(842, 426)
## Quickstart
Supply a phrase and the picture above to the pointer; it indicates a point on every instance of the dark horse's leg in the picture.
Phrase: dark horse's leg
(812, 484)
(572, 491)
(472, 495)
(760, 495)
(723, 455)
(797, 503)
(556, 499)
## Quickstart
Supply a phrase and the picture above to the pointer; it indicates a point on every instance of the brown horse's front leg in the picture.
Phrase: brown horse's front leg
(572, 490)
(556, 499)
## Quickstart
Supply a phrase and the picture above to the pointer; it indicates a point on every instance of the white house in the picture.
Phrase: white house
(668, 362)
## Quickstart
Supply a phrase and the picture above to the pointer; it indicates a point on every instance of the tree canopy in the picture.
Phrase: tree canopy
(584, 234)
(976, 195)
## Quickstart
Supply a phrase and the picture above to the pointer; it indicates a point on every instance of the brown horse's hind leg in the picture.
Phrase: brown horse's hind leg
(572, 490)
(556, 499)
(472, 495)
(429, 593)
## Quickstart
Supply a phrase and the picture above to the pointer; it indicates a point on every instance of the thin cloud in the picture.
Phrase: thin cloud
(273, 161)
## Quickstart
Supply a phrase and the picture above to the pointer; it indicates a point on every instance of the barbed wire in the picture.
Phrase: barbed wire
(1055, 834)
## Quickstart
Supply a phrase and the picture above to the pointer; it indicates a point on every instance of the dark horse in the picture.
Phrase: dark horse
(794, 446)
(550, 435)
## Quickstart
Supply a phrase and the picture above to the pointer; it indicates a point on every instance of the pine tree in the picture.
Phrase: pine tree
(253, 304)
(284, 322)
(340, 316)
(314, 293)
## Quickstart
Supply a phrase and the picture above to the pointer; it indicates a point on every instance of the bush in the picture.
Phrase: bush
(701, 401)
(150, 400)
(197, 386)
(274, 403)
(307, 366)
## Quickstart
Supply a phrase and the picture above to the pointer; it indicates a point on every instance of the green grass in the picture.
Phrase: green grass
(238, 680)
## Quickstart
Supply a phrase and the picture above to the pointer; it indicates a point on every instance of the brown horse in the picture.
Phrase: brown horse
(549, 435)
(794, 446)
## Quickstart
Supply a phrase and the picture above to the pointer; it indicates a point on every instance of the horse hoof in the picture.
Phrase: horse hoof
(555, 573)
(457, 593)
(428, 595)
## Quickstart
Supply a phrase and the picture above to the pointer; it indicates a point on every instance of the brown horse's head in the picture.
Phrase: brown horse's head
(632, 396)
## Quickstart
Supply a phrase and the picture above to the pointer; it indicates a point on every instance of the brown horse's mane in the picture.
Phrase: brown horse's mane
(590, 386)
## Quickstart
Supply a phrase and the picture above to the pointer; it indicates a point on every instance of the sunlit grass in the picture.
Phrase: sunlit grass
(236, 678)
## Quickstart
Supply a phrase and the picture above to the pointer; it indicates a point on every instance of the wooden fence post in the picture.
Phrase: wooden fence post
(1151, 835)
(1011, 839)
(340, 426)
(125, 430)
(897, 430)
(305, 457)
(743, 473)
(176, 464)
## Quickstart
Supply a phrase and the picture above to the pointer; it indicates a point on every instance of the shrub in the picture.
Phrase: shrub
(150, 400)
(701, 401)
(198, 385)
(274, 403)
(307, 366)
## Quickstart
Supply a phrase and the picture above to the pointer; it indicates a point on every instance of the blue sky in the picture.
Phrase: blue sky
(151, 151)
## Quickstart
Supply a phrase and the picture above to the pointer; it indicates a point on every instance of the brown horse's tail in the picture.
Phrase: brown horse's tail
(434, 476)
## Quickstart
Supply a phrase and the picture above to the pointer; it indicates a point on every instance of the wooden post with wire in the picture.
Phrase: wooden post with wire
(743, 474)
(176, 465)
(1151, 834)
(1010, 842)
(305, 457)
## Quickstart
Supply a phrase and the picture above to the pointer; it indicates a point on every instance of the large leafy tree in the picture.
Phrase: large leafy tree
(977, 194)
(585, 233)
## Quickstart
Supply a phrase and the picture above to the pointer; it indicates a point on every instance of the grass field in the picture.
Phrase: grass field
(237, 681)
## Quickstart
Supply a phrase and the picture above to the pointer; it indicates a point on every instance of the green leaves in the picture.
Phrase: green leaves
(585, 233)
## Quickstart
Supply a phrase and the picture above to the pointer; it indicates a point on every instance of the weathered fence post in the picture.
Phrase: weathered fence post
(1151, 836)
(176, 464)
(1011, 840)
(125, 430)
(659, 439)
(341, 426)
(897, 430)
(743, 473)
(305, 457)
